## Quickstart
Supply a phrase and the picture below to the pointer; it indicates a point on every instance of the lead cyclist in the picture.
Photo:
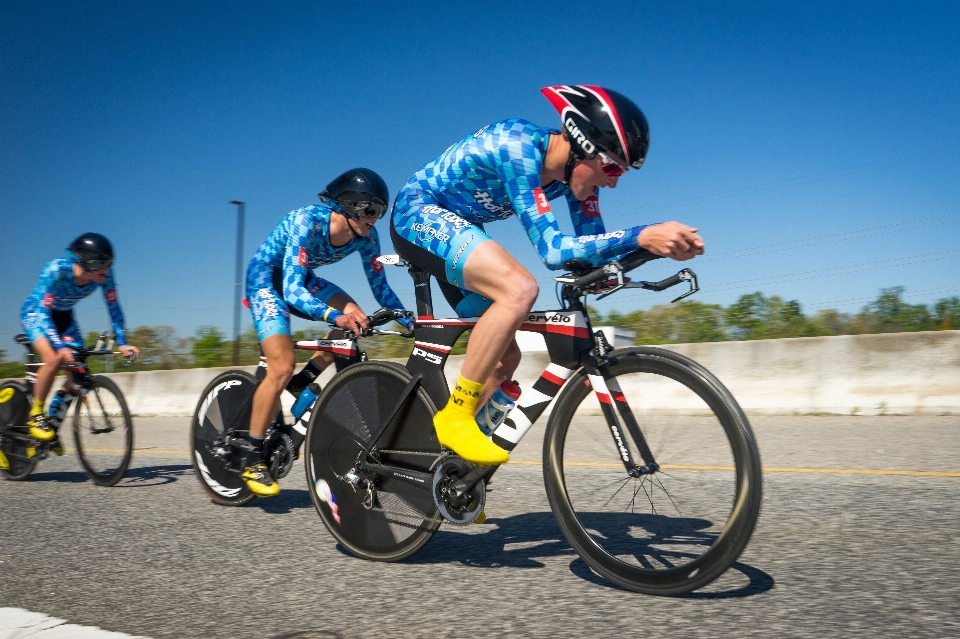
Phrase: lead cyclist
(508, 168)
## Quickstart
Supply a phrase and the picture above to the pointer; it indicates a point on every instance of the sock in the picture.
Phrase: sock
(464, 397)
(257, 456)
(37, 408)
(303, 379)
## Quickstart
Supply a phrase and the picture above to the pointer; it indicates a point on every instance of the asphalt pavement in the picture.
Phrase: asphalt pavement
(859, 536)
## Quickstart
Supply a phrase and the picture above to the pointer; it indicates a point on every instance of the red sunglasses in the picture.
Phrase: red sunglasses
(611, 168)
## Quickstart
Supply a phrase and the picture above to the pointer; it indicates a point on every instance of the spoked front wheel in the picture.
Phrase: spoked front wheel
(17, 446)
(103, 432)
(673, 530)
(373, 516)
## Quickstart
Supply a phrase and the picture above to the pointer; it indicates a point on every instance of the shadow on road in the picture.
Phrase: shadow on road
(523, 540)
(288, 500)
(154, 475)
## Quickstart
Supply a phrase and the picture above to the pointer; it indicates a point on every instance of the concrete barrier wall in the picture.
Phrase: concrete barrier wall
(905, 373)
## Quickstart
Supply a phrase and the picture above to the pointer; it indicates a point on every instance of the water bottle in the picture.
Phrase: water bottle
(305, 400)
(495, 410)
(59, 405)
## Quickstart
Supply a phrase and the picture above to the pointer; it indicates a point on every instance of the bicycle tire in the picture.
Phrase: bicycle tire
(224, 405)
(708, 508)
(103, 431)
(14, 411)
(403, 517)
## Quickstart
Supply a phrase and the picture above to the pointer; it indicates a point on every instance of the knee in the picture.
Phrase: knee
(522, 292)
(280, 372)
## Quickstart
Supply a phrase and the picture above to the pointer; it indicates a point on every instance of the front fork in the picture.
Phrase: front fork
(614, 404)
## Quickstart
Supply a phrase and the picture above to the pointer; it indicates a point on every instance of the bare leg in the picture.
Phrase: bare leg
(278, 350)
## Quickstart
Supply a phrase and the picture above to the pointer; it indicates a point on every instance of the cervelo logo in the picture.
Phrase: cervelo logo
(375, 265)
(111, 295)
(578, 136)
(624, 453)
(302, 257)
(213, 395)
(543, 206)
(591, 206)
(48, 300)
(483, 199)
(430, 357)
(583, 239)
(426, 232)
(550, 318)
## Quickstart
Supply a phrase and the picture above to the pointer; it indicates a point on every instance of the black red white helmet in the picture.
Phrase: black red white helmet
(358, 193)
(599, 120)
(93, 251)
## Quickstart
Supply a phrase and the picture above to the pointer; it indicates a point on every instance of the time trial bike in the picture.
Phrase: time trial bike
(221, 421)
(102, 424)
(651, 468)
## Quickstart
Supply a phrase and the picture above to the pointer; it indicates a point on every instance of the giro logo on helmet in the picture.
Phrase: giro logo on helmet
(589, 148)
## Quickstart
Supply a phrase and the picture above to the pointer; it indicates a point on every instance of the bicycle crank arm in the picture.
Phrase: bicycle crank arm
(410, 476)
(464, 484)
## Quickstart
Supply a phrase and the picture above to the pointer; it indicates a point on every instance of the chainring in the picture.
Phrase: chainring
(282, 456)
(458, 511)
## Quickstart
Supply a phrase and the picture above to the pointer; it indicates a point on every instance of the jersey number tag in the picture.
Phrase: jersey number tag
(47, 301)
(302, 258)
(111, 295)
(591, 206)
(376, 265)
(542, 205)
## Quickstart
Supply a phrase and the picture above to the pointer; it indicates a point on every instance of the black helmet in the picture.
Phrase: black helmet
(601, 120)
(358, 193)
(93, 251)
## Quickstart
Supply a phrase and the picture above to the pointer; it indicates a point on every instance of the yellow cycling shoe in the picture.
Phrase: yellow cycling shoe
(40, 429)
(259, 481)
(57, 448)
(4, 463)
(462, 435)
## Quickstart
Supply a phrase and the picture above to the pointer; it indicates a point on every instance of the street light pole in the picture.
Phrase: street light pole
(238, 283)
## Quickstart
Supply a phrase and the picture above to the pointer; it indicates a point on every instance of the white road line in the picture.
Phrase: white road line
(17, 623)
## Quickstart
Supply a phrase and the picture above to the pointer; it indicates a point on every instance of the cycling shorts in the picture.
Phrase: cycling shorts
(271, 314)
(60, 323)
(438, 241)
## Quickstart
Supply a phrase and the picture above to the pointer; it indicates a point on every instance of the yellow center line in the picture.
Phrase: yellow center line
(527, 462)
(826, 471)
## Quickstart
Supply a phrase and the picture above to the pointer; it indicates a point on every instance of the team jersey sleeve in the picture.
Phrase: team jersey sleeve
(519, 173)
(113, 307)
(530, 204)
(295, 269)
(385, 296)
(585, 215)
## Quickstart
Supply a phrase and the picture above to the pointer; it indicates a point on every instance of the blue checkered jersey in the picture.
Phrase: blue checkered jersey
(495, 173)
(300, 243)
(58, 291)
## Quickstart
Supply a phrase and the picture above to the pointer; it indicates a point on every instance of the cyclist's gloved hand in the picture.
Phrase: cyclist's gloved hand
(130, 351)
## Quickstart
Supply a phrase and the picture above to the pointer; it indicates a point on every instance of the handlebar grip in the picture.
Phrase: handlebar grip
(632, 260)
(673, 280)
(590, 278)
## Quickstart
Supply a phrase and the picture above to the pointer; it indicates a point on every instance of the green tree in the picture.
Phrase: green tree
(755, 316)
(208, 348)
(889, 313)
(947, 313)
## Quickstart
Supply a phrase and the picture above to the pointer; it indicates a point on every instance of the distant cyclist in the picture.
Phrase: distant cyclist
(280, 281)
(511, 168)
(47, 316)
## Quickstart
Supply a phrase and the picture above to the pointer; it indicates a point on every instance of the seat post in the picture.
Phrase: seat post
(421, 284)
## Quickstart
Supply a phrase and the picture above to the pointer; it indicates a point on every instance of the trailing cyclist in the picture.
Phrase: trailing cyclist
(47, 318)
(280, 281)
(511, 168)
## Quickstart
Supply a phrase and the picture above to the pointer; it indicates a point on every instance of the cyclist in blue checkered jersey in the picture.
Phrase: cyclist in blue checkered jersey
(47, 316)
(280, 281)
(516, 168)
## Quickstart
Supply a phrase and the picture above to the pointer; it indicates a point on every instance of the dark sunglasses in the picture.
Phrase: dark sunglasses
(96, 265)
(364, 208)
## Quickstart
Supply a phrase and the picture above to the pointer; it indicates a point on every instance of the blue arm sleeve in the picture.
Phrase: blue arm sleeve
(295, 258)
(530, 203)
(113, 306)
(378, 279)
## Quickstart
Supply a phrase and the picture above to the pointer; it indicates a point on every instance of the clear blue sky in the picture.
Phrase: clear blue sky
(815, 144)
